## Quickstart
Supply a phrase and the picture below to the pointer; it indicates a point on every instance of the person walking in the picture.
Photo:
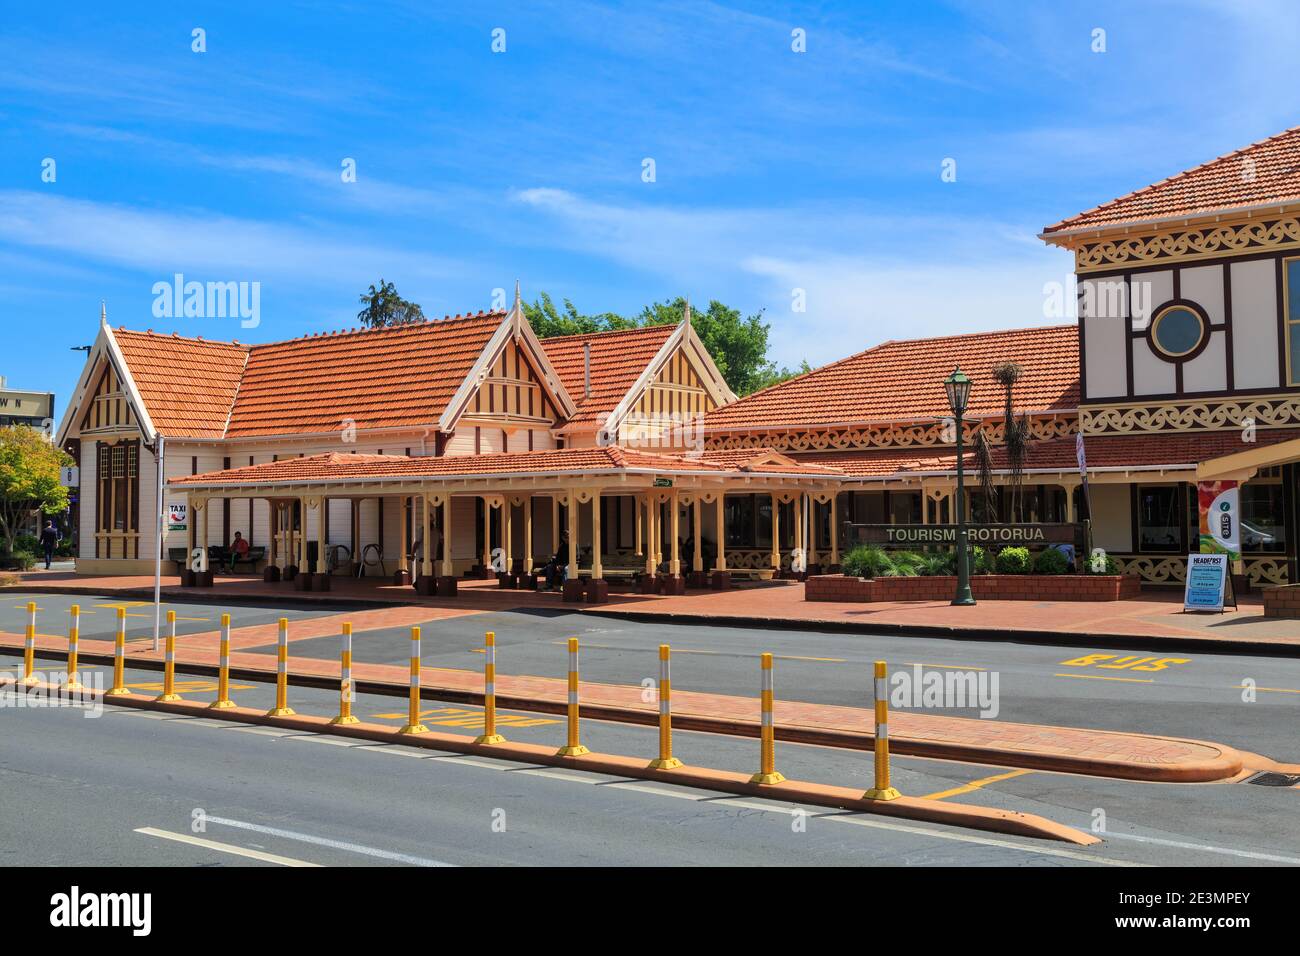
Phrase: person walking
(49, 541)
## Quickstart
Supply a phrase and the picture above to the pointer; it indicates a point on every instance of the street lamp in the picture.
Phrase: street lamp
(957, 385)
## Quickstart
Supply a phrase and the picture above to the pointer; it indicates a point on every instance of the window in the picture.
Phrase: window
(1159, 517)
(1291, 282)
(1262, 527)
(739, 520)
(1178, 331)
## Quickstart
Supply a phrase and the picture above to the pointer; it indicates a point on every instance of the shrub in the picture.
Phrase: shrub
(64, 549)
(1110, 566)
(982, 561)
(1013, 561)
(1051, 561)
(865, 561)
(937, 563)
(27, 542)
(18, 560)
(904, 564)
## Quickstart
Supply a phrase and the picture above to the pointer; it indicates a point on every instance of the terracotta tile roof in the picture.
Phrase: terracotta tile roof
(376, 378)
(188, 385)
(342, 466)
(617, 361)
(903, 381)
(1261, 174)
(1058, 454)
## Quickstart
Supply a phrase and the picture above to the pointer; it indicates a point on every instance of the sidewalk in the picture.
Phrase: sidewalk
(1061, 749)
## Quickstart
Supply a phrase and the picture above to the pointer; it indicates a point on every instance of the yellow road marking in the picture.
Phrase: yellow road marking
(954, 667)
(1275, 690)
(975, 785)
(1126, 680)
(188, 686)
(223, 847)
(459, 717)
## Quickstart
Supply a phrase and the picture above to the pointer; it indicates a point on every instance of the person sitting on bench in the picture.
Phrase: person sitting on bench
(238, 552)
(557, 569)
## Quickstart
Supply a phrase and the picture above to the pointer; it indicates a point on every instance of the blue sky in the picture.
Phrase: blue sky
(774, 170)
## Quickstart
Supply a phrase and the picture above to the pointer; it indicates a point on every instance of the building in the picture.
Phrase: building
(467, 445)
(425, 451)
(34, 409)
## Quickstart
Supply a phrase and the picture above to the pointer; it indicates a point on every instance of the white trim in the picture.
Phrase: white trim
(514, 327)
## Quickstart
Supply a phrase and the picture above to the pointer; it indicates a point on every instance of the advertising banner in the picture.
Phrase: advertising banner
(1219, 504)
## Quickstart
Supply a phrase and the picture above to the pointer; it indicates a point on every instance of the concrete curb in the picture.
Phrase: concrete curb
(1230, 763)
(823, 795)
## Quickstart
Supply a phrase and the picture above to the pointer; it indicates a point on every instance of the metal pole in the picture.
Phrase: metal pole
(161, 460)
(964, 597)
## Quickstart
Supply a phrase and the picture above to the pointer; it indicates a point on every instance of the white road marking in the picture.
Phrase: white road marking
(657, 791)
(263, 731)
(223, 847)
(396, 750)
(325, 841)
(332, 741)
(846, 816)
(1205, 848)
(474, 761)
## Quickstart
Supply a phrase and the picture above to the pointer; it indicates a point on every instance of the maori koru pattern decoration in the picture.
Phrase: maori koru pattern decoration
(1195, 416)
(1189, 244)
(886, 436)
(1158, 570)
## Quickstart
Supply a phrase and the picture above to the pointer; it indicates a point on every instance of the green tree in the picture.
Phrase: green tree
(29, 479)
(383, 306)
(548, 321)
(737, 344)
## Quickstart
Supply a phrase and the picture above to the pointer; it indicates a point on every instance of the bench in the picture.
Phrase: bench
(752, 574)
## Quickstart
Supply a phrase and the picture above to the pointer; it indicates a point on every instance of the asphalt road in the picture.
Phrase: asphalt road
(123, 788)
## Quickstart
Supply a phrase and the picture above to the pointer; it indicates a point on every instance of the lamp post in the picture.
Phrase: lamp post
(957, 385)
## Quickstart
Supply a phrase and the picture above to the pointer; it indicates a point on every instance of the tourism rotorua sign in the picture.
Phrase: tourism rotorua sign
(1007, 535)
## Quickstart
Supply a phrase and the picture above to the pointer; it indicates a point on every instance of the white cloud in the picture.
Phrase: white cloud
(202, 242)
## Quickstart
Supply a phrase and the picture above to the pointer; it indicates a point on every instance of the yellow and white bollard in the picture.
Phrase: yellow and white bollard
(573, 747)
(29, 649)
(767, 772)
(74, 635)
(345, 679)
(223, 701)
(169, 662)
(413, 725)
(119, 658)
(665, 760)
(882, 790)
(282, 708)
(489, 735)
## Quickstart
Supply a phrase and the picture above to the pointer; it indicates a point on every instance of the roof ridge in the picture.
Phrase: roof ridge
(177, 337)
(404, 326)
(1101, 207)
(595, 335)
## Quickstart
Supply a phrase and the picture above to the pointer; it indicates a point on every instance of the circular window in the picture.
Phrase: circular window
(1178, 331)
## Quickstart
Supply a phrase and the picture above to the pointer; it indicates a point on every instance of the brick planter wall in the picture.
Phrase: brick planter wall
(985, 587)
(1282, 601)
